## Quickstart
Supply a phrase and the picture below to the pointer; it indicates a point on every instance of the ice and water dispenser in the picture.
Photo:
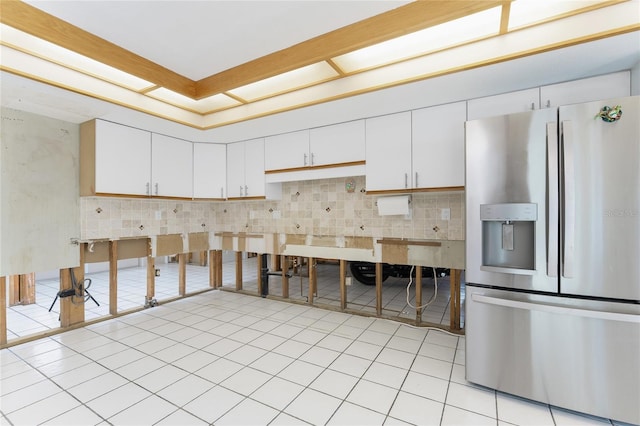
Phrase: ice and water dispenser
(508, 237)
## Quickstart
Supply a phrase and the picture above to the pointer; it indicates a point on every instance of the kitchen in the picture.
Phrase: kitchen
(410, 102)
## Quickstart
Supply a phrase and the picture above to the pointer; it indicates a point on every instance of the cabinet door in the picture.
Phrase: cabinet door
(171, 167)
(340, 143)
(438, 146)
(123, 159)
(209, 170)
(506, 103)
(616, 85)
(254, 168)
(388, 152)
(235, 170)
(287, 151)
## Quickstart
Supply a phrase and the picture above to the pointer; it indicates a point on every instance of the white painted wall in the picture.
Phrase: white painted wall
(635, 79)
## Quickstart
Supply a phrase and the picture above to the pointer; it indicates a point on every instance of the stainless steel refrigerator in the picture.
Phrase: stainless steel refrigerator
(552, 307)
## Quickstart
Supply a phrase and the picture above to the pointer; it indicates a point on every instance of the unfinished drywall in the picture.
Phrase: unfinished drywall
(39, 195)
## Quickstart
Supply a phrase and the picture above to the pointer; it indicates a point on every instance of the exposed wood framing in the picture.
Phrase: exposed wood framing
(113, 277)
(3, 311)
(238, 270)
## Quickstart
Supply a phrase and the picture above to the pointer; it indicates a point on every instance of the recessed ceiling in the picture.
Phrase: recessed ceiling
(199, 38)
(207, 64)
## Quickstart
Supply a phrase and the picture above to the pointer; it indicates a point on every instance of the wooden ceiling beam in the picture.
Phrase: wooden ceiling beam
(397, 22)
(34, 21)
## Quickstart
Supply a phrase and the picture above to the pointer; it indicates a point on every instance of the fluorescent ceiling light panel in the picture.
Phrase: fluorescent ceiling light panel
(301, 77)
(465, 29)
(529, 12)
(70, 59)
(211, 103)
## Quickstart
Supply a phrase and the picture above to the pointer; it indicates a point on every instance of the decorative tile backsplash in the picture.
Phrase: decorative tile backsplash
(320, 207)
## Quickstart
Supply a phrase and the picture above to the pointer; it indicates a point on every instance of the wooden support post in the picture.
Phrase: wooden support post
(238, 270)
(14, 290)
(276, 263)
(203, 258)
(3, 311)
(72, 308)
(260, 283)
(113, 277)
(212, 268)
(22, 289)
(182, 274)
(378, 289)
(28, 288)
(219, 268)
(312, 279)
(343, 284)
(151, 273)
(454, 308)
(418, 299)
(284, 264)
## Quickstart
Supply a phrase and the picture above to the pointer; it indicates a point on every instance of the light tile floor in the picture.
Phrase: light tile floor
(226, 358)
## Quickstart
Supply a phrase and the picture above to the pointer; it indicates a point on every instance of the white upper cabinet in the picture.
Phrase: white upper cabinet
(287, 151)
(209, 170)
(245, 171)
(254, 183)
(338, 144)
(319, 153)
(121, 160)
(616, 85)
(505, 103)
(388, 152)
(438, 146)
(171, 167)
(235, 170)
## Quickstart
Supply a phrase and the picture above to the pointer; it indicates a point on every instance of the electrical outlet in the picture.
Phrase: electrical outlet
(445, 214)
(158, 214)
(347, 280)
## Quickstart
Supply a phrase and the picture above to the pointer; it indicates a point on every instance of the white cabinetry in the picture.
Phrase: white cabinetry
(388, 152)
(616, 85)
(505, 103)
(287, 151)
(115, 159)
(209, 170)
(171, 167)
(438, 146)
(122, 160)
(323, 152)
(339, 144)
(245, 171)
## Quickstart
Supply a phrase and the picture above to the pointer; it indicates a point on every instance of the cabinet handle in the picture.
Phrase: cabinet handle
(533, 106)
(406, 180)
(241, 190)
(221, 192)
(148, 188)
(415, 185)
(156, 188)
(305, 159)
(313, 156)
(246, 190)
(548, 103)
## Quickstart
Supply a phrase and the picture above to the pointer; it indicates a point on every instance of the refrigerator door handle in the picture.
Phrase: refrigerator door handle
(554, 309)
(569, 206)
(552, 199)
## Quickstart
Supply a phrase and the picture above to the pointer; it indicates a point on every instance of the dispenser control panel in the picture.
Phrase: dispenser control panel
(509, 212)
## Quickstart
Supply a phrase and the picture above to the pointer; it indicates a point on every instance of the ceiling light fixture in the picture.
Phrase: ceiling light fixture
(448, 34)
(43, 49)
(286, 82)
